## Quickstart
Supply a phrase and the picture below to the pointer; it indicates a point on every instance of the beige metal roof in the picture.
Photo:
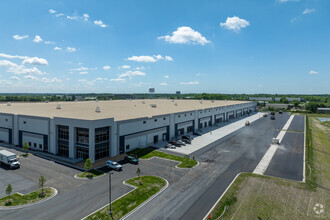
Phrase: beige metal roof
(117, 109)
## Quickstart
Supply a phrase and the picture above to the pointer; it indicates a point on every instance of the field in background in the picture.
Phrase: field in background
(262, 197)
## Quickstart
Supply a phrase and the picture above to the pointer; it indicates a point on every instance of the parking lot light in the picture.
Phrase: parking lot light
(110, 212)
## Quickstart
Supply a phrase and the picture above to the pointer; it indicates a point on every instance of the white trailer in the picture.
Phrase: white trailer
(9, 158)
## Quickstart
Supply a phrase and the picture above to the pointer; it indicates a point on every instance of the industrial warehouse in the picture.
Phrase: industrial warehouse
(99, 129)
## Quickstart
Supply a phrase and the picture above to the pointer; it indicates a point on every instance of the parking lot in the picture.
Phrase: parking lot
(191, 192)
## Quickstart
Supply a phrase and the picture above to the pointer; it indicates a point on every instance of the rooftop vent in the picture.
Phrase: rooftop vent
(153, 105)
(46, 101)
(8, 104)
(176, 104)
(201, 102)
(58, 106)
(172, 100)
(143, 102)
(96, 100)
(98, 110)
(212, 101)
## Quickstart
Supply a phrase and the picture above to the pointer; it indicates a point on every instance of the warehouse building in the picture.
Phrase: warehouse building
(108, 128)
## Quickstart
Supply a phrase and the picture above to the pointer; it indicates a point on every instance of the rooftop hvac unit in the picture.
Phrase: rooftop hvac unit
(98, 110)
(143, 102)
(176, 104)
(58, 106)
(212, 101)
(8, 104)
(153, 105)
(201, 102)
(96, 100)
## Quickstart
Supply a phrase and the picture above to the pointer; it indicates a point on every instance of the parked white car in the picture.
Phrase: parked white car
(171, 146)
(114, 165)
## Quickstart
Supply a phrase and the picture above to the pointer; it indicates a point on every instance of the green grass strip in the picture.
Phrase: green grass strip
(90, 174)
(121, 207)
(31, 197)
(146, 153)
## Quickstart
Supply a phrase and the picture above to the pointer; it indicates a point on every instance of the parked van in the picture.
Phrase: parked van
(114, 165)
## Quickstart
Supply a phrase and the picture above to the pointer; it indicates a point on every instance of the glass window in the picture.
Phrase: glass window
(101, 136)
(63, 150)
(82, 135)
(63, 133)
(82, 152)
(102, 152)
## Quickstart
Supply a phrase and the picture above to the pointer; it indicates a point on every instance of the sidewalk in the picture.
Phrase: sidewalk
(212, 136)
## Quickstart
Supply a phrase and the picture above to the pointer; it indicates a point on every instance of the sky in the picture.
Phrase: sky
(129, 46)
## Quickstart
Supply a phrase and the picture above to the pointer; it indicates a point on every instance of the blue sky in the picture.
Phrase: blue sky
(215, 46)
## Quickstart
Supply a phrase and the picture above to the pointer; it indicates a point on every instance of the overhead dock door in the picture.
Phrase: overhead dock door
(4, 135)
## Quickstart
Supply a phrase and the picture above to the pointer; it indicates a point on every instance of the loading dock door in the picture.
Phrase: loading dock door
(4, 135)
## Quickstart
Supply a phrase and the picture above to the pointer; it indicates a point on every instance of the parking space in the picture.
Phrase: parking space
(25, 179)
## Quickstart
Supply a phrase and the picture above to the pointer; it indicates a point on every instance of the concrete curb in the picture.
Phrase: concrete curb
(85, 178)
(145, 202)
(205, 217)
(31, 204)
(134, 188)
(304, 160)
(179, 162)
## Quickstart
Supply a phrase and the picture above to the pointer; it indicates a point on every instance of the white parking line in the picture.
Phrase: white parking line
(265, 161)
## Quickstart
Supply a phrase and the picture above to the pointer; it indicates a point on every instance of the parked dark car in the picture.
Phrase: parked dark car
(272, 117)
(187, 141)
(187, 137)
(272, 113)
(280, 112)
(131, 159)
(175, 143)
(181, 143)
(197, 134)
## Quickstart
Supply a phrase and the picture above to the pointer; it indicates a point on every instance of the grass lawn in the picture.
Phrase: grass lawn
(150, 186)
(18, 199)
(146, 153)
(94, 173)
(254, 196)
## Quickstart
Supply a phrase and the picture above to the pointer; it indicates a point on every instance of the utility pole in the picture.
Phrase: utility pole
(110, 212)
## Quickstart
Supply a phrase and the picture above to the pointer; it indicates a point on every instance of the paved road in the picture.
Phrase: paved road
(218, 168)
(288, 159)
(191, 192)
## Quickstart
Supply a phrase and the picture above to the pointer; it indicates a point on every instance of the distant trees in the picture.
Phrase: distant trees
(312, 106)
(296, 104)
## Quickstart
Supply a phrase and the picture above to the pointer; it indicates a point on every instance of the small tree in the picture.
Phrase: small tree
(42, 181)
(138, 171)
(88, 166)
(26, 147)
(9, 189)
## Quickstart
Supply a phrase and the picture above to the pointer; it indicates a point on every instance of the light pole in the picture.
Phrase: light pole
(110, 212)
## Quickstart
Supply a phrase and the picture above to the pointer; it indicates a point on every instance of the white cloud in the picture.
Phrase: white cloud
(59, 15)
(312, 72)
(73, 17)
(80, 69)
(106, 67)
(71, 49)
(31, 77)
(86, 16)
(48, 80)
(37, 39)
(125, 67)
(57, 48)
(7, 63)
(20, 37)
(23, 70)
(140, 68)
(149, 59)
(189, 83)
(100, 23)
(83, 73)
(117, 80)
(52, 11)
(49, 42)
(35, 61)
(284, 1)
(235, 23)
(166, 76)
(168, 58)
(15, 78)
(13, 56)
(85, 81)
(184, 35)
(163, 84)
(130, 74)
(309, 11)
